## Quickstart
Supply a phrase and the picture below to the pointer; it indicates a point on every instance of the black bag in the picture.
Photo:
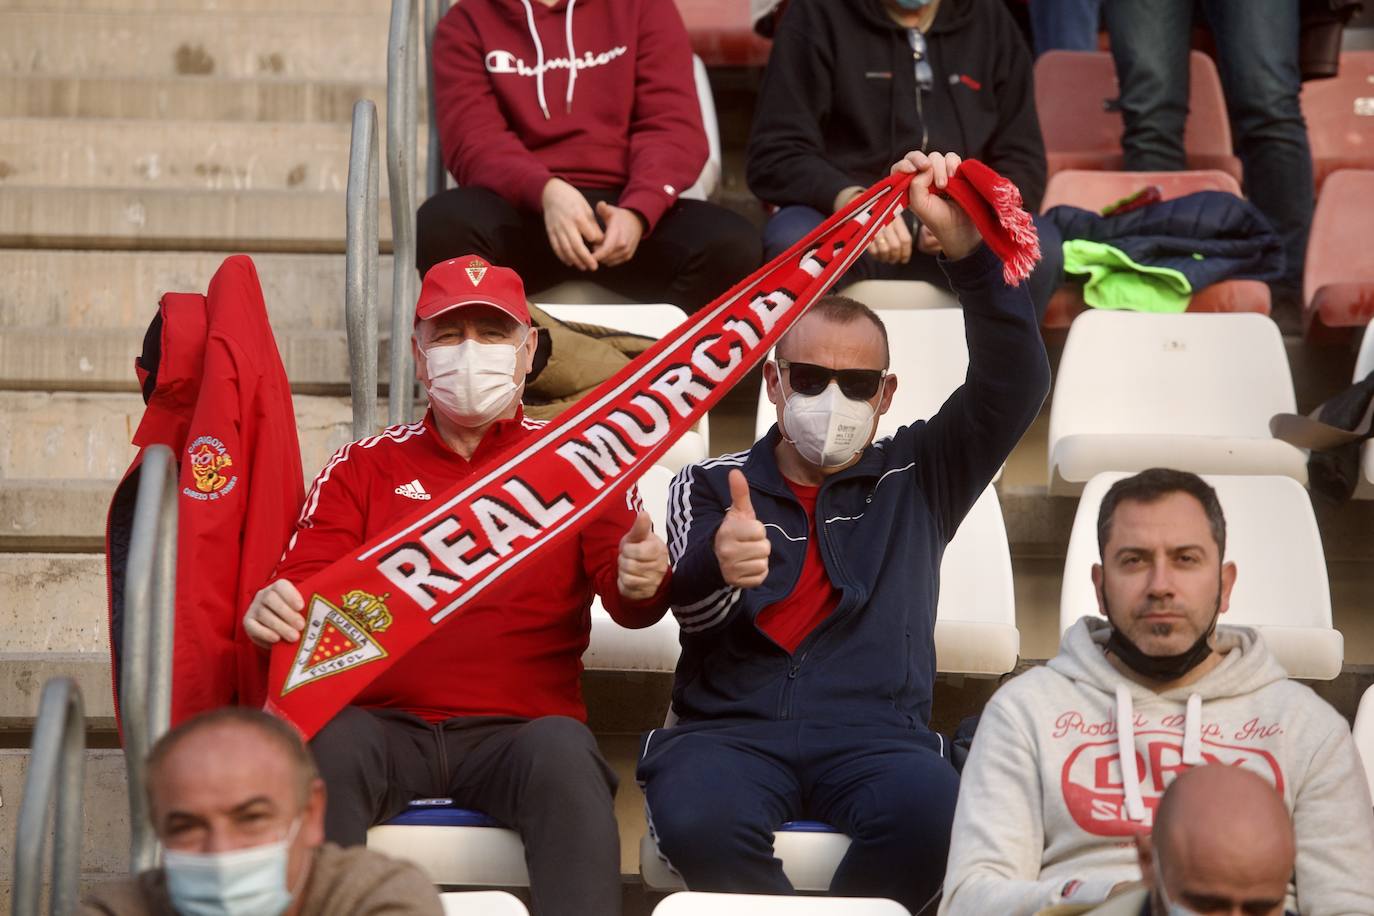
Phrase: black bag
(1334, 433)
(1319, 36)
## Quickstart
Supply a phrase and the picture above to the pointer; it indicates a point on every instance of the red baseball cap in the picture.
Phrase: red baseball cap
(471, 280)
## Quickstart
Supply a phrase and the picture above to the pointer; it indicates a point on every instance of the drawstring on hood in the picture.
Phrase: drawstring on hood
(1245, 668)
(539, 57)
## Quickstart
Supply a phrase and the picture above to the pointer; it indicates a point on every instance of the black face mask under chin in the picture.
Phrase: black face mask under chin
(1162, 668)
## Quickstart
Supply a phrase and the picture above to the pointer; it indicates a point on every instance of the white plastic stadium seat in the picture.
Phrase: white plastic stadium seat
(696, 904)
(1364, 364)
(975, 620)
(482, 903)
(900, 295)
(1281, 584)
(810, 851)
(453, 845)
(1364, 735)
(650, 320)
(1191, 391)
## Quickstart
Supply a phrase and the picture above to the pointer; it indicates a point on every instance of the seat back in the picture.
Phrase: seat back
(1337, 249)
(1124, 373)
(709, 178)
(1364, 362)
(1364, 735)
(1075, 92)
(929, 358)
(693, 903)
(975, 620)
(482, 903)
(1093, 190)
(1340, 116)
(1281, 581)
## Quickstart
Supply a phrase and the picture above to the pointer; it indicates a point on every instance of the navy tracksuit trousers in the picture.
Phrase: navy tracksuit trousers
(716, 792)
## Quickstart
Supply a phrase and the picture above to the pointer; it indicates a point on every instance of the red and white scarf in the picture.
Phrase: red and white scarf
(372, 606)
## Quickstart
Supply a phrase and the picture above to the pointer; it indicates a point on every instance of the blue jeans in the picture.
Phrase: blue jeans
(790, 224)
(1064, 25)
(1257, 50)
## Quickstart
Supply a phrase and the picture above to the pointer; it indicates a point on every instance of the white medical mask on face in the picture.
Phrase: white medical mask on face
(827, 429)
(472, 383)
(242, 882)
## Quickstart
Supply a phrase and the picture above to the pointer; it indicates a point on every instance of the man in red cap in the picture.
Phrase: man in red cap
(488, 709)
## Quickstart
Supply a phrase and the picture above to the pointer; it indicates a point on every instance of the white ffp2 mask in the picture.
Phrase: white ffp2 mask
(828, 428)
(242, 882)
(471, 383)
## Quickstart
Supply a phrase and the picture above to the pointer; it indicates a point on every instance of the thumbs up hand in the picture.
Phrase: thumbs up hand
(742, 546)
(643, 561)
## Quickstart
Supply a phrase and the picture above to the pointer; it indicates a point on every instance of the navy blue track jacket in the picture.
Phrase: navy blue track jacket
(883, 525)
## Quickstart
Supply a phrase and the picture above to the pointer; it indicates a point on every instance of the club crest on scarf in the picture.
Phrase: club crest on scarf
(487, 529)
(338, 638)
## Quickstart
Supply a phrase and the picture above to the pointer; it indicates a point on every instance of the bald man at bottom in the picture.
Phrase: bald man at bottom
(1222, 844)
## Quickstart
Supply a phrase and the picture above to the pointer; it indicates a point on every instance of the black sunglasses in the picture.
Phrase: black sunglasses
(810, 379)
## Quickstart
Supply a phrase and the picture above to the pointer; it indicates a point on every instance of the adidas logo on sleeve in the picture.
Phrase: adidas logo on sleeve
(413, 490)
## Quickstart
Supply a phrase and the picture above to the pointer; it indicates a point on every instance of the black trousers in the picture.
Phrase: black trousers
(543, 777)
(696, 252)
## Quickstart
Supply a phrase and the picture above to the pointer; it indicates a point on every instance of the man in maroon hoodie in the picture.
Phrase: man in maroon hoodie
(572, 129)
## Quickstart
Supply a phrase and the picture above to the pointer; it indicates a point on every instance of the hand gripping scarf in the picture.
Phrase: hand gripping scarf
(367, 610)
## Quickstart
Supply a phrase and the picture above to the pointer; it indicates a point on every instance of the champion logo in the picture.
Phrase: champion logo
(412, 490)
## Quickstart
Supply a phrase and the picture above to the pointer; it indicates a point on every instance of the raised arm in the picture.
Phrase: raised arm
(964, 444)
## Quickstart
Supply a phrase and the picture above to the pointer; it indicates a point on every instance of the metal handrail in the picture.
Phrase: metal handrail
(436, 175)
(360, 285)
(402, 172)
(146, 666)
(56, 779)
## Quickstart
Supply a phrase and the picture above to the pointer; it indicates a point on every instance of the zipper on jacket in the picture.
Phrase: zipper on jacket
(793, 669)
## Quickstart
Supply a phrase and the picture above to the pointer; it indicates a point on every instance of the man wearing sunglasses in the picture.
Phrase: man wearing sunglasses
(805, 584)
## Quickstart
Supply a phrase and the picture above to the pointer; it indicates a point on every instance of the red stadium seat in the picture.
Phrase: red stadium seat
(722, 33)
(1340, 116)
(1072, 89)
(1338, 282)
(1093, 190)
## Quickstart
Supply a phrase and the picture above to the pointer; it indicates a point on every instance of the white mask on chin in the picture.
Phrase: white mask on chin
(827, 429)
(471, 383)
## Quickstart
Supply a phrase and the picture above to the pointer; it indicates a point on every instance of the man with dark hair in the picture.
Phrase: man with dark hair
(1071, 759)
(805, 582)
(239, 809)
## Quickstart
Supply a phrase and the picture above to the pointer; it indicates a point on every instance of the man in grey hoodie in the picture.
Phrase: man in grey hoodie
(1070, 760)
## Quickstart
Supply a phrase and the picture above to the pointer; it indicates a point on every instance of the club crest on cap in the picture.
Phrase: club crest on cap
(476, 271)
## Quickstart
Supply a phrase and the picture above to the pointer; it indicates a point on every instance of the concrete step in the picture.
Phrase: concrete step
(51, 436)
(177, 98)
(105, 289)
(105, 837)
(58, 602)
(229, 42)
(177, 220)
(23, 674)
(202, 155)
(48, 515)
(102, 359)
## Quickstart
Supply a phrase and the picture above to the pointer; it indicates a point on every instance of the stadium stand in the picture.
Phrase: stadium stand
(1189, 391)
(1338, 113)
(481, 903)
(1076, 94)
(1094, 190)
(1281, 588)
(1338, 283)
(694, 904)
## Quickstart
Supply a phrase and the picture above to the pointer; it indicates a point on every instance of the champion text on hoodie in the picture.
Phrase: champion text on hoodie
(600, 93)
(1048, 803)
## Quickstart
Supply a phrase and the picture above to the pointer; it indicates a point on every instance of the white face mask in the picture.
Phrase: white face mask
(828, 428)
(1170, 908)
(471, 383)
(243, 882)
